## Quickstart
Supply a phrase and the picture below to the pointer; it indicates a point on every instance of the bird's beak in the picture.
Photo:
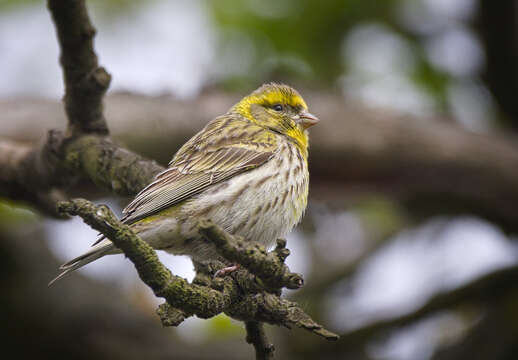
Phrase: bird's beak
(307, 119)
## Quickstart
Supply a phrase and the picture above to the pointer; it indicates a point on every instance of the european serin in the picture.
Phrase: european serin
(246, 170)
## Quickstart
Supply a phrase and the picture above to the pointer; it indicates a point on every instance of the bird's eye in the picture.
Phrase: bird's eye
(277, 107)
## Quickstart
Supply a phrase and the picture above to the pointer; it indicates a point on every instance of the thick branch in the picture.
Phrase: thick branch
(24, 176)
(34, 174)
(192, 299)
(114, 168)
(185, 299)
(256, 336)
(108, 165)
(85, 82)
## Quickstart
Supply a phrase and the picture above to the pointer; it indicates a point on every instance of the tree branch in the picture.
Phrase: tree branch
(25, 176)
(35, 174)
(192, 299)
(488, 288)
(86, 151)
(355, 153)
(109, 166)
(256, 336)
(268, 266)
(430, 165)
(240, 298)
(85, 82)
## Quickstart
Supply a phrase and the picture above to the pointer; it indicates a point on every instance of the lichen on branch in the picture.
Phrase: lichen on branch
(237, 296)
(268, 266)
(85, 151)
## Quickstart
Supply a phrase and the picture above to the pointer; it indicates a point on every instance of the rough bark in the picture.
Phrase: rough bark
(240, 298)
(406, 157)
(81, 318)
(268, 266)
(86, 151)
(255, 335)
(85, 81)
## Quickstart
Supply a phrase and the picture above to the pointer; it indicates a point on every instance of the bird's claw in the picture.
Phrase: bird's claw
(227, 270)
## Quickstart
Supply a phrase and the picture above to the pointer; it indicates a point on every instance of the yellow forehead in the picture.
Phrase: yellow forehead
(271, 94)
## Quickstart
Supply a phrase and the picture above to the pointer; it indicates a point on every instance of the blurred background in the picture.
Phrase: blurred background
(408, 247)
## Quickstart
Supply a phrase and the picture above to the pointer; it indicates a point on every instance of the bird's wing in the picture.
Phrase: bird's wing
(215, 154)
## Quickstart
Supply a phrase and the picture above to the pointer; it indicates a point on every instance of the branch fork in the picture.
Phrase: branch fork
(251, 295)
(238, 296)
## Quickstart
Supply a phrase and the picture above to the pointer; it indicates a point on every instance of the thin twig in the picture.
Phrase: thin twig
(489, 287)
(256, 336)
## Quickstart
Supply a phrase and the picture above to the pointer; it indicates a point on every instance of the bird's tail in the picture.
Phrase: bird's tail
(103, 248)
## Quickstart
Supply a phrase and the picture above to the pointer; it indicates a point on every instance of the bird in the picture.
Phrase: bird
(246, 171)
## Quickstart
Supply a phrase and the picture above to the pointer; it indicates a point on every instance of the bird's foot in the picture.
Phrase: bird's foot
(227, 270)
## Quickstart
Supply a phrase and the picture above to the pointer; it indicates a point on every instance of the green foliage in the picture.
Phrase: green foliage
(9, 4)
(222, 327)
(14, 214)
(302, 41)
(432, 80)
(302, 37)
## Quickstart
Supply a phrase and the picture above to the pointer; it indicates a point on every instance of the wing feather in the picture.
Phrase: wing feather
(200, 163)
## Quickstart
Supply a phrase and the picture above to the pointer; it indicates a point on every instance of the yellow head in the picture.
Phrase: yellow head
(279, 108)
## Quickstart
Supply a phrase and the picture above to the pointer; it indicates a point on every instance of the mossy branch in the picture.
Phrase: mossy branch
(30, 174)
(106, 164)
(185, 299)
(191, 299)
(268, 266)
(85, 151)
(36, 174)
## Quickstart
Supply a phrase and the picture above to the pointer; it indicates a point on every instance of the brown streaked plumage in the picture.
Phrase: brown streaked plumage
(246, 171)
